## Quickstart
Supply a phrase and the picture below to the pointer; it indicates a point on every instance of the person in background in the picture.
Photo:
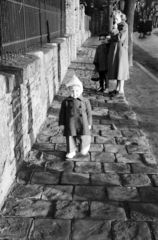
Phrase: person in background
(149, 26)
(118, 67)
(101, 62)
(140, 27)
(75, 118)
(144, 27)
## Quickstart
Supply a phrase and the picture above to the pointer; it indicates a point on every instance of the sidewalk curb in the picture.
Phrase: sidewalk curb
(146, 71)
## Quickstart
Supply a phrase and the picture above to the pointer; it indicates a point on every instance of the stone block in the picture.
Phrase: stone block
(66, 166)
(135, 180)
(143, 212)
(3, 86)
(96, 147)
(116, 167)
(142, 168)
(101, 128)
(54, 156)
(107, 211)
(95, 132)
(107, 140)
(91, 230)
(141, 141)
(75, 178)
(49, 229)
(26, 208)
(87, 167)
(115, 148)
(149, 159)
(44, 147)
(23, 177)
(71, 209)
(154, 178)
(132, 133)
(80, 158)
(138, 149)
(102, 157)
(154, 226)
(123, 194)
(99, 112)
(61, 147)
(93, 193)
(111, 133)
(131, 230)
(15, 228)
(57, 192)
(58, 139)
(45, 178)
(105, 179)
(128, 158)
(27, 191)
(149, 194)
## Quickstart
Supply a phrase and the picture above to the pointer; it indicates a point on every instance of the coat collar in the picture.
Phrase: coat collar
(79, 98)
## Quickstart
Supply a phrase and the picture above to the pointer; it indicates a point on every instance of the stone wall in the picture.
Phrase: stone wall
(28, 85)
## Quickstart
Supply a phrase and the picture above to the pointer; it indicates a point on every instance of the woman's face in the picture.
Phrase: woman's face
(117, 18)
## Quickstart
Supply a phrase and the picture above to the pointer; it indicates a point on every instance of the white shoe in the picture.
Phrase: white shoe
(85, 150)
(70, 155)
(106, 90)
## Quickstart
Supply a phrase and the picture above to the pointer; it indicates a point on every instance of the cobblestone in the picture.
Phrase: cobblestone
(109, 194)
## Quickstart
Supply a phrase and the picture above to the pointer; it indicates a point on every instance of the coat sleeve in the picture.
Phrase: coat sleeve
(62, 114)
(120, 34)
(89, 112)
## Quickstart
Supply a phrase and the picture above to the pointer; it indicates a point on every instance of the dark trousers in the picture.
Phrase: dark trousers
(84, 141)
(103, 79)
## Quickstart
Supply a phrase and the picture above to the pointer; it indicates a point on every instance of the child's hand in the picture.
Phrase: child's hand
(89, 126)
(61, 128)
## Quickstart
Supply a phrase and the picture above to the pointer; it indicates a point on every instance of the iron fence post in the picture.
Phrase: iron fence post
(24, 19)
(1, 31)
(40, 23)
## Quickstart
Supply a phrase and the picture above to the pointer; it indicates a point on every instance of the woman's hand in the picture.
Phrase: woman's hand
(115, 26)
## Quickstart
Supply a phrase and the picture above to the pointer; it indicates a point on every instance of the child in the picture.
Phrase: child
(101, 62)
(75, 118)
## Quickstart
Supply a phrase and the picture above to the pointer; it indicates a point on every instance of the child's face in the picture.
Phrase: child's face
(75, 91)
(102, 39)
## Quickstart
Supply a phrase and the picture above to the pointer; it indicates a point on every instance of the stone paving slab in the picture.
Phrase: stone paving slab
(49, 229)
(15, 228)
(109, 194)
(91, 230)
(131, 230)
(107, 211)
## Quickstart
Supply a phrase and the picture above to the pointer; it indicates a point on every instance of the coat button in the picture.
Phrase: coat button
(80, 115)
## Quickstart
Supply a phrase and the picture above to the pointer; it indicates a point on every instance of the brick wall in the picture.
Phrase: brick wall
(28, 85)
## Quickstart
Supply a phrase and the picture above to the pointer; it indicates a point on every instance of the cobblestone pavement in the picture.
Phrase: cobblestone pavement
(110, 194)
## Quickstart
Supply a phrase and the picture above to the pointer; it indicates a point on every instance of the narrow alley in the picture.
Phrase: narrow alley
(110, 194)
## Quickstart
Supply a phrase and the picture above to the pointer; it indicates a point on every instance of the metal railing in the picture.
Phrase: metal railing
(27, 24)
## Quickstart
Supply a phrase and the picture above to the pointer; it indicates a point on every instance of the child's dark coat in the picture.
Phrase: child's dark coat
(101, 57)
(76, 116)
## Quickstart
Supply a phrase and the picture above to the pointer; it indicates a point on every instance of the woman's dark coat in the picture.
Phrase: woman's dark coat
(118, 67)
(140, 26)
(76, 116)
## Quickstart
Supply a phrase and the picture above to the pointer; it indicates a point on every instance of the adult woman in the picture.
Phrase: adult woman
(118, 67)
